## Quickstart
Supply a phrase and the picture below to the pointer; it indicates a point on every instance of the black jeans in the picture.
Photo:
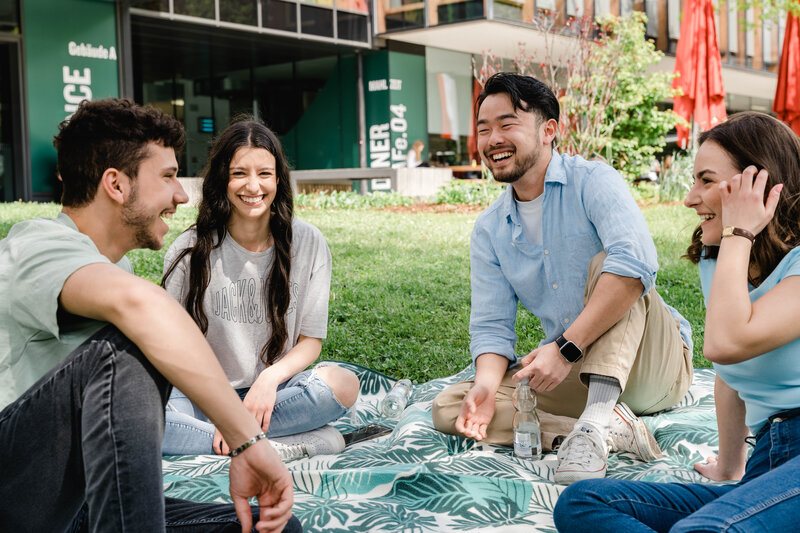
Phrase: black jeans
(81, 449)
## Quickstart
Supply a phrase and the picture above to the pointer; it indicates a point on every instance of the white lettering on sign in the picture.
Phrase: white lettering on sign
(379, 146)
(381, 152)
(90, 50)
(396, 85)
(399, 125)
(77, 88)
(377, 85)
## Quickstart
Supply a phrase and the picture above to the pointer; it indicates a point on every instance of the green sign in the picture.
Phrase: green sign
(70, 56)
(395, 106)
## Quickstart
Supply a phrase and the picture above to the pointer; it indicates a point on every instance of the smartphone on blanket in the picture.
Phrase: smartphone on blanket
(365, 433)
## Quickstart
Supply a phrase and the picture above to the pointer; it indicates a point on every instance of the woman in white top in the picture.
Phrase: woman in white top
(257, 281)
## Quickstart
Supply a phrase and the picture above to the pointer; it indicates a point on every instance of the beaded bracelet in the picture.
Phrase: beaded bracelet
(247, 444)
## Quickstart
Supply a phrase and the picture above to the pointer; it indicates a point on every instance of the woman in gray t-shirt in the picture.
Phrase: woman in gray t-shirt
(257, 282)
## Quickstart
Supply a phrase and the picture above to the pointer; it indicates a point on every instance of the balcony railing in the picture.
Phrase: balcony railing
(745, 39)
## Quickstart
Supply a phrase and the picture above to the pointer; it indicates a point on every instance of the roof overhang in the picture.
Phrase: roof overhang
(503, 40)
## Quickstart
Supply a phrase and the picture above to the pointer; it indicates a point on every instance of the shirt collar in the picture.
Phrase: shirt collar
(555, 174)
(66, 220)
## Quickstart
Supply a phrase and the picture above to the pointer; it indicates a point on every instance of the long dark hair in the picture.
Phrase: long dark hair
(752, 138)
(213, 214)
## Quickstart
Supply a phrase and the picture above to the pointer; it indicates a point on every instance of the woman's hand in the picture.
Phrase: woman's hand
(743, 204)
(714, 470)
(219, 445)
(260, 399)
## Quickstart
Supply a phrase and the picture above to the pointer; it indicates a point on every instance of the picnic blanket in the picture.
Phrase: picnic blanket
(419, 480)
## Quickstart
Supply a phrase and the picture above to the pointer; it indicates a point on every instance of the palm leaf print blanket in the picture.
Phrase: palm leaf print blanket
(419, 480)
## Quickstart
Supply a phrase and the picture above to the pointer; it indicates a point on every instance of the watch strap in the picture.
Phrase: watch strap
(730, 231)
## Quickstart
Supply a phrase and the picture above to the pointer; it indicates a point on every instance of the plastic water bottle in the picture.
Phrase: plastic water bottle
(395, 402)
(527, 430)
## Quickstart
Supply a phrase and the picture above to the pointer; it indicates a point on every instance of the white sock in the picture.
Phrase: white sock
(604, 391)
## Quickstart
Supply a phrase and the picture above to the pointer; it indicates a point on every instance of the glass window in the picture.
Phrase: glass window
(508, 10)
(195, 8)
(602, 7)
(9, 138)
(316, 21)
(651, 10)
(674, 18)
(353, 5)
(279, 15)
(449, 93)
(575, 8)
(351, 26)
(733, 29)
(404, 14)
(152, 5)
(239, 11)
(9, 16)
(454, 12)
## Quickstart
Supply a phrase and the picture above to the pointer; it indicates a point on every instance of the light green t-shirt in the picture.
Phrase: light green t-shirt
(36, 258)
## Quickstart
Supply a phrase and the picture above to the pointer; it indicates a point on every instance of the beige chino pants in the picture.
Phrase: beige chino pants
(643, 351)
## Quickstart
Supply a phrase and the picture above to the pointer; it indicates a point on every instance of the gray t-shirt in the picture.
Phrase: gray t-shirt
(238, 324)
(36, 258)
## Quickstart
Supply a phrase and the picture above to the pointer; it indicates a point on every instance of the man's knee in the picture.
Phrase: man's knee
(135, 377)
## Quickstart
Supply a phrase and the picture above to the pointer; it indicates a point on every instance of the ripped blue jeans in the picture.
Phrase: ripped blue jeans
(303, 403)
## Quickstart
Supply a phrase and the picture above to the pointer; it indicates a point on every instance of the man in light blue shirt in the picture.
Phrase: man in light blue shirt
(566, 240)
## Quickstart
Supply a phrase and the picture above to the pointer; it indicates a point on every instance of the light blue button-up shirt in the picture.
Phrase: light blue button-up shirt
(587, 209)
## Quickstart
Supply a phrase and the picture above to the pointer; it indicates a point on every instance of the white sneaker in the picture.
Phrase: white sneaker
(322, 441)
(582, 455)
(629, 433)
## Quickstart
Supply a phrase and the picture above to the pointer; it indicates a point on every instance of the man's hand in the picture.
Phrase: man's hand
(544, 367)
(260, 399)
(713, 469)
(259, 472)
(477, 411)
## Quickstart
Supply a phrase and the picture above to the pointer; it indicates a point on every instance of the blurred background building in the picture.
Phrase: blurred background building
(345, 83)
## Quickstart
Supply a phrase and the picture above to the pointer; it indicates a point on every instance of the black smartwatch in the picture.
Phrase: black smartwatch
(569, 350)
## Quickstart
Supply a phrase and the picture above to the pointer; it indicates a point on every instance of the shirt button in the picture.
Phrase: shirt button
(547, 252)
(566, 320)
(555, 285)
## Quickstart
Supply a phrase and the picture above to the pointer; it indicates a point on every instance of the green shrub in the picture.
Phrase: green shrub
(677, 180)
(350, 200)
(469, 192)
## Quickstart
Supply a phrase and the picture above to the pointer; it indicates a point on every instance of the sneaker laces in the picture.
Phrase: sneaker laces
(580, 450)
(289, 452)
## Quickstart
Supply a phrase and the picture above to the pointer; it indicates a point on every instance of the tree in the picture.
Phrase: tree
(609, 99)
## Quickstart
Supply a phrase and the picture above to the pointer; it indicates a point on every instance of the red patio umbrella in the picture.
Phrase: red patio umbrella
(787, 95)
(699, 69)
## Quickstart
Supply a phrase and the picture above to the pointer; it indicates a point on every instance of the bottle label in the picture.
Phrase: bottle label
(523, 445)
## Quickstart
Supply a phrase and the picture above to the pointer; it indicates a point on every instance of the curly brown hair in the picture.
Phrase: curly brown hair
(109, 133)
(752, 138)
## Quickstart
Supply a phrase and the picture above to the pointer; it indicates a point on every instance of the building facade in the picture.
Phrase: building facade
(345, 83)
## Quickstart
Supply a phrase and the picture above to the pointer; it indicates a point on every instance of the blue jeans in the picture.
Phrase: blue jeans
(79, 450)
(766, 499)
(303, 403)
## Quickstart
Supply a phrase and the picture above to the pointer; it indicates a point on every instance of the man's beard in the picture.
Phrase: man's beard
(521, 166)
(134, 217)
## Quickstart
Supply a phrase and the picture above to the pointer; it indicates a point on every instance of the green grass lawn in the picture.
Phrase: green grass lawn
(400, 287)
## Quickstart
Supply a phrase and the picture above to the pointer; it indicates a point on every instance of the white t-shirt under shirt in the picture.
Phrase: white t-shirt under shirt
(530, 213)
(238, 324)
